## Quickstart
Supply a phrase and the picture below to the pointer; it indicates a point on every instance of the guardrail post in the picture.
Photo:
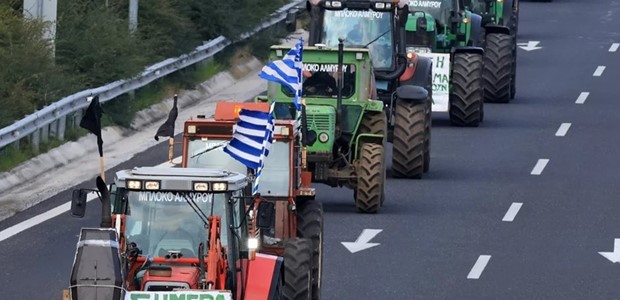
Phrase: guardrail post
(45, 133)
(35, 138)
(61, 127)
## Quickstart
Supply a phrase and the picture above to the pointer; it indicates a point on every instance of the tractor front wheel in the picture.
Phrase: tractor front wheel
(370, 178)
(409, 139)
(499, 61)
(467, 94)
(297, 269)
(310, 226)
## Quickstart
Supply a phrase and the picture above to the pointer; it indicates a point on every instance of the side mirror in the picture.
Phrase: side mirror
(78, 203)
(266, 215)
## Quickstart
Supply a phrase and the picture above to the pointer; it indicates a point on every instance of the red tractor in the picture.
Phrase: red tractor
(177, 233)
(285, 182)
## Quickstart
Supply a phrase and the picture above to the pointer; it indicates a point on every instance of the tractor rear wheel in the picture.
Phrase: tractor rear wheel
(370, 169)
(428, 119)
(297, 269)
(374, 123)
(310, 226)
(498, 67)
(409, 139)
(467, 94)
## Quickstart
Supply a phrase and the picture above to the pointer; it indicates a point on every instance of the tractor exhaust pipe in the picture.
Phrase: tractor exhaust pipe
(339, 82)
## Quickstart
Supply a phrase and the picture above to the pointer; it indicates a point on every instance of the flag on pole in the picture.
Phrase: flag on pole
(251, 138)
(167, 129)
(91, 121)
(266, 146)
(287, 71)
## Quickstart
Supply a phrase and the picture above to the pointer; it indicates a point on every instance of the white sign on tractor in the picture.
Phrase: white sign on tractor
(441, 80)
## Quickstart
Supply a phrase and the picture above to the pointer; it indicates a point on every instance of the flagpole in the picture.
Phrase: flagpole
(170, 148)
(101, 168)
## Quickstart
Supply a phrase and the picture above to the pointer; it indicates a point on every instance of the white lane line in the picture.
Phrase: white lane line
(540, 166)
(478, 267)
(614, 47)
(599, 71)
(563, 129)
(52, 213)
(582, 97)
(512, 212)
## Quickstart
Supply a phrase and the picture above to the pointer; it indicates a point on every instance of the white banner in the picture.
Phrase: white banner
(179, 295)
(441, 80)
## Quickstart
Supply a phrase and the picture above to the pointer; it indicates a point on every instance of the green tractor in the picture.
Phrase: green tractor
(379, 25)
(446, 32)
(500, 20)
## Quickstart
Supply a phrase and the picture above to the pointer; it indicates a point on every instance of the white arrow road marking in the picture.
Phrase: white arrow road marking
(362, 242)
(582, 97)
(529, 46)
(614, 47)
(563, 129)
(599, 71)
(540, 166)
(614, 257)
(478, 267)
(512, 212)
(52, 213)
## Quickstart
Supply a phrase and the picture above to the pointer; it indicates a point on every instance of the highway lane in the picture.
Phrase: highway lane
(434, 230)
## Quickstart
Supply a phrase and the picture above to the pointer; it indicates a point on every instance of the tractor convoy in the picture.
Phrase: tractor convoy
(372, 72)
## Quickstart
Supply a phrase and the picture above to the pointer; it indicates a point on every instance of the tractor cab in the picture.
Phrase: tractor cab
(174, 232)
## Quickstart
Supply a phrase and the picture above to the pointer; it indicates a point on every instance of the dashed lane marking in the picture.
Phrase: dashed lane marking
(540, 166)
(512, 212)
(478, 267)
(563, 129)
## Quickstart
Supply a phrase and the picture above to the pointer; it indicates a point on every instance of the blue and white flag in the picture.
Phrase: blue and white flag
(287, 71)
(266, 146)
(250, 138)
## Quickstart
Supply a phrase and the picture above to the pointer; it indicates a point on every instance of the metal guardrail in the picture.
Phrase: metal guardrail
(57, 111)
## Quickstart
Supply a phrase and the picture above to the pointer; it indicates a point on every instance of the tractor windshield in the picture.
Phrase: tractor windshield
(438, 9)
(320, 81)
(277, 164)
(163, 221)
(369, 29)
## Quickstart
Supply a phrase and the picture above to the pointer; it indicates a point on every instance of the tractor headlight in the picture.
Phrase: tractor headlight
(151, 185)
(134, 184)
(201, 186)
(191, 129)
(252, 243)
(383, 5)
(220, 186)
(323, 137)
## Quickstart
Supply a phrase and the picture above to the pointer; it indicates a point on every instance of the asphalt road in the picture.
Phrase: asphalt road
(435, 230)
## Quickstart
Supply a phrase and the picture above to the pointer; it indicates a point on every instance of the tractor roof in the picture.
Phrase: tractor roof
(321, 48)
(180, 179)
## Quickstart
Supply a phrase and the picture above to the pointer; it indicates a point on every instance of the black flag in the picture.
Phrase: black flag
(167, 129)
(91, 121)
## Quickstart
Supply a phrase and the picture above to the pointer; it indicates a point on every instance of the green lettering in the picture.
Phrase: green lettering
(207, 297)
(444, 78)
(220, 297)
(191, 297)
(440, 62)
(177, 297)
(140, 296)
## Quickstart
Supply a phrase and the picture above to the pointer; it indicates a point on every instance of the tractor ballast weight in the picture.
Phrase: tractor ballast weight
(176, 233)
(449, 34)
(380, 27)
(285, 183)
(500, 19)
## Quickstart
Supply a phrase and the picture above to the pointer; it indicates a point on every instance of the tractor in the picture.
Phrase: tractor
(397, 79)
(500, 20)
(180, 233)
(449, 34)
(284, 181)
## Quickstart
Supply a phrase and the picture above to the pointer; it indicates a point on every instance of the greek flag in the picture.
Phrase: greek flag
(287, 71)
(252, 138)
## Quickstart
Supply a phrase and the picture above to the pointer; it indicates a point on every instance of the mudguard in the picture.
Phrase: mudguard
(494, 28)
(476, 50)
(476, 28)
(264, 272)
(412, 93)
(423, 67)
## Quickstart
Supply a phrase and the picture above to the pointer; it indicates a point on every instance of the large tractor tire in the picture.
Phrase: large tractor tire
(467, 94)
(498, 67)
(409, 137)
(370, 169)
(310, 226)
(375, 123)
(427, 136)
(297, 269)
